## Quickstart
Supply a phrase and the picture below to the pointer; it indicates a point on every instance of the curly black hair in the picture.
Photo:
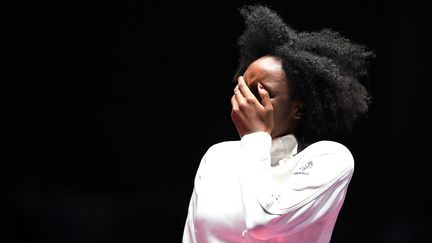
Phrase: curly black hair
(329, 72)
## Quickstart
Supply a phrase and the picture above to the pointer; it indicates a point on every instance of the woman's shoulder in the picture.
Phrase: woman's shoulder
(328, 152)
(327, 146)
(224, 146)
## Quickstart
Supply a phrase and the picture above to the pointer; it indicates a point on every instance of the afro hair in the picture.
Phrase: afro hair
(329, 72)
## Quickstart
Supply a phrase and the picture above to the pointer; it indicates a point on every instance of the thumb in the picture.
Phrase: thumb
(265, 98)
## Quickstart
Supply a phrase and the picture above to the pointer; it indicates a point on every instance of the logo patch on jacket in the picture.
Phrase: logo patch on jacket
(302, 169)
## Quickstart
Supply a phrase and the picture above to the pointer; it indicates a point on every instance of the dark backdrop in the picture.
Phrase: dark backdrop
(107, 108)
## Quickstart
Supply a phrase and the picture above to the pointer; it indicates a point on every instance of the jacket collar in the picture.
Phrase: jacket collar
(283, 147)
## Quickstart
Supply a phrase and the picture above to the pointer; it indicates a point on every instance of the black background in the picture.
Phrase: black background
(107, 108)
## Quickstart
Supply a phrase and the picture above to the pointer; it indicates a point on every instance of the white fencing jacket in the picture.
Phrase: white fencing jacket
(261, 190)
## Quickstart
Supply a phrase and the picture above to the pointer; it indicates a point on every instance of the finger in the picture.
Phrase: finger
(265, 97)
(234, 103)
(238, 95)
(244, 89)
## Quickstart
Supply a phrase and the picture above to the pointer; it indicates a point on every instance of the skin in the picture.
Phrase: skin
(262, 100)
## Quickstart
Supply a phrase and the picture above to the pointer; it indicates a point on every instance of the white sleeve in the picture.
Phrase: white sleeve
(189, 231)
(189, 227)
(277, 204)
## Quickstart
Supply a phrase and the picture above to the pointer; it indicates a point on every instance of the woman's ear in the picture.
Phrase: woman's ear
(298, 106)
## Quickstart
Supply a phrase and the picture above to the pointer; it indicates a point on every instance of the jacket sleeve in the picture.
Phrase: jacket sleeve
(276, 201)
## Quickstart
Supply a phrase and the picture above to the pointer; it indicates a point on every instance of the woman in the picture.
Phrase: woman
(285, 180)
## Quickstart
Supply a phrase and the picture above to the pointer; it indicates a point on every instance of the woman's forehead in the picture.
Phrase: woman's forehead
(265, 68)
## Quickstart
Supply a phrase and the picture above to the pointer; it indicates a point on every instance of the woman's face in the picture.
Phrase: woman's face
(268, 71)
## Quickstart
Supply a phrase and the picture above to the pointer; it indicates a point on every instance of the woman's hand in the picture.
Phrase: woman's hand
(248, 114)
